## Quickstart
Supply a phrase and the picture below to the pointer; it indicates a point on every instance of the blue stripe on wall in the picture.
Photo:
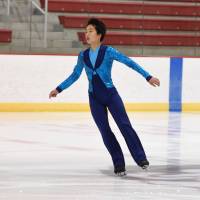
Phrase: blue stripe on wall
(175, 84)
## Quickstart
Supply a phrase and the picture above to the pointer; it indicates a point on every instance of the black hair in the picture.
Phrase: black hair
(99, 26)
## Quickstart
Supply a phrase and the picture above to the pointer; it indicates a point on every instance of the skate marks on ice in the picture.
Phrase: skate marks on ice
(60, 156)
(167, 173)
(163, 181)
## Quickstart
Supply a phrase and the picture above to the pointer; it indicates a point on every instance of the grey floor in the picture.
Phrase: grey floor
(62, 156)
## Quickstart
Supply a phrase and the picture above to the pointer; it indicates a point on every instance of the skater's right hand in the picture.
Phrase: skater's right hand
(53, 93)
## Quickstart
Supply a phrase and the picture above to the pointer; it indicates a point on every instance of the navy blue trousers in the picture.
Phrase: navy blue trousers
(103, 99)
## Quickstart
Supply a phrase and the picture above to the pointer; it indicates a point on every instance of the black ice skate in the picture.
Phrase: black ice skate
(144, 164)
(120, 171)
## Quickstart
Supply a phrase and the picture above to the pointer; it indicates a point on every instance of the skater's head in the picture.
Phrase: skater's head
(95, 31)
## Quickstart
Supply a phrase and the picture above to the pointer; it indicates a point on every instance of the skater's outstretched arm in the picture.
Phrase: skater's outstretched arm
(120, 57)
(71, 79)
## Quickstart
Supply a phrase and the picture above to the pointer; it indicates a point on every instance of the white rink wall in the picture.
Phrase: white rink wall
(191, 80)
(29, 78)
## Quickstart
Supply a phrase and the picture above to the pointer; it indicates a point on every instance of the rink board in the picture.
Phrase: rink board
(26, 81)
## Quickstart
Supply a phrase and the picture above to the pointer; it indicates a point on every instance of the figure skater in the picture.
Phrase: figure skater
(97, 61)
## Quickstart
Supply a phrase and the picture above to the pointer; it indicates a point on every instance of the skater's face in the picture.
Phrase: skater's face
(91, 35)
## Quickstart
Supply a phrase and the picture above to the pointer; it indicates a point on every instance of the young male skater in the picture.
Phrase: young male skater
(103, 96)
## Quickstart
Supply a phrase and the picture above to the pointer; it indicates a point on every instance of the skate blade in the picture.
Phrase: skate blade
(145, 167)
(121, 174)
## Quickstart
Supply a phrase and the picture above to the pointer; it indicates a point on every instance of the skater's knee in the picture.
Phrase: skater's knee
(126, 128)
(125, 125)
(108, 136)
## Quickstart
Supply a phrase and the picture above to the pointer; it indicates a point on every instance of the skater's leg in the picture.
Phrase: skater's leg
(100, 115)
(117, 109)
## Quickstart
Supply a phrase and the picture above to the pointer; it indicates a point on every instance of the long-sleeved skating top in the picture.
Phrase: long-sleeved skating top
(103, 65)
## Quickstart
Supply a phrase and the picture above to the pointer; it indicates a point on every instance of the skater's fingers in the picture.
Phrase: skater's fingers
(52, 94)
(157, 82)
(153, 84)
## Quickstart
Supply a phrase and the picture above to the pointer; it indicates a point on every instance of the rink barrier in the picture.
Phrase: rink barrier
(175, 86)
(191, 107)
(183, 95)
(84, 107)
(75, 107)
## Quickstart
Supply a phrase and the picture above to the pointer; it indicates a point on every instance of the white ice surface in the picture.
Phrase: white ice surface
(61, 156)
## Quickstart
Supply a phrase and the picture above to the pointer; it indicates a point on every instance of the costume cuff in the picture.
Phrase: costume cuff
(59, 89)
(148, 78)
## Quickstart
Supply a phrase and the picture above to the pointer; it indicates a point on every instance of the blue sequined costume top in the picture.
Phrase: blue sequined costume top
(103, 66)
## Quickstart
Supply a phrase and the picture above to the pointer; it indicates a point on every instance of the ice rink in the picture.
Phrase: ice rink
(46, 156)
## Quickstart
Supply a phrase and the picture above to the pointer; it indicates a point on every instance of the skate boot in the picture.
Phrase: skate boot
(144, 164)
(120, 171)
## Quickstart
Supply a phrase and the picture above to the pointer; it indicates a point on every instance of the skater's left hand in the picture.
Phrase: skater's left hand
(154, 81)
